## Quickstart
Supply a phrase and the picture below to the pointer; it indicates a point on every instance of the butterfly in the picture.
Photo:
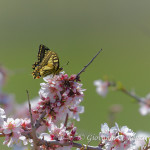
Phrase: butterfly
(48, 63)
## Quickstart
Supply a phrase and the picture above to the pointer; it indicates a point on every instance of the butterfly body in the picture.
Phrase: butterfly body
(48, 63)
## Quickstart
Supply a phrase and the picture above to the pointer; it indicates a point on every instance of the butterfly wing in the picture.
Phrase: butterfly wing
(55, 60)
(41, 54)
(48, 63)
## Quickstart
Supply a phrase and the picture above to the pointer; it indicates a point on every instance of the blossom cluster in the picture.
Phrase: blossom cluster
(117, 139)
(59, 96)
(61, 134)
(111, 138)
(14, 132)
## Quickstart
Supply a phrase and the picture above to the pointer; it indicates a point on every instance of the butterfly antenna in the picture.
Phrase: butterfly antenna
(65, 64)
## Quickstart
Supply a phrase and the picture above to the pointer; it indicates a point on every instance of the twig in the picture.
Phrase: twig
(134, 96)
(130, 94)
(78, 75)
(38, 121)
(32, 124)
(125, 91)
(66, 120)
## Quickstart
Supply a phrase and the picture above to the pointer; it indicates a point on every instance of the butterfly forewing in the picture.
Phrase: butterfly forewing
(41, 54)
(48, 63)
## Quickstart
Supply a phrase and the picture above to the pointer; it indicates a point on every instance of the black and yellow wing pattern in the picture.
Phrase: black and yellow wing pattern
(48, 63)
(42, 52)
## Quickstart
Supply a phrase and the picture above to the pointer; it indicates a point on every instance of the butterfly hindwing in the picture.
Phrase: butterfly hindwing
(55, 61)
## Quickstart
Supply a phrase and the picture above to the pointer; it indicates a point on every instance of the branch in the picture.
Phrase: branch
(66, 120)
(38, 121)
(41, 142)
(131, 94)
(33, 129)
(78, 75)
(77, 145)
(134, 96)
(124, 90)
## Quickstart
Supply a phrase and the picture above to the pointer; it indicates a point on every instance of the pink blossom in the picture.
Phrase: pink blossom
(101, 87)
(140, 139)
(62, 133)
(145, 105)
(12, 130)
(45, 136)
(117, 139)
(2, 117)
(3, 76)
(25, 123)
(11, 125)
(57, 133)
(25, 140)
(75, 111)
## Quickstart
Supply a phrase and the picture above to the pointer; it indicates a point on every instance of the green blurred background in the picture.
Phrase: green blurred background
(76, 30)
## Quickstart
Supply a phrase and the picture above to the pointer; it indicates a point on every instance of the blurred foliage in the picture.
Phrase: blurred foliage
(76, 30)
